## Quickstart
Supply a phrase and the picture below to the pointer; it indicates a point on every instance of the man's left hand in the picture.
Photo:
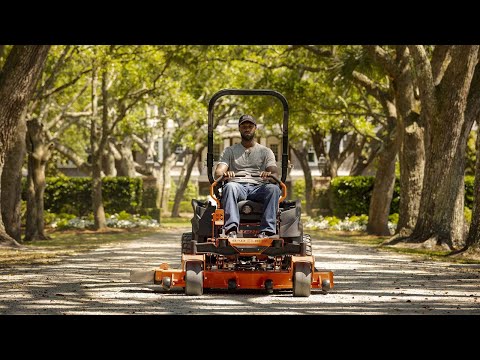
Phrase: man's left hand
(265, 174)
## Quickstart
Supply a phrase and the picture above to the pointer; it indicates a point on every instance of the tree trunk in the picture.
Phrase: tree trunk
(18, 79)
(334, 153)
(12, 184)
(167, 162)
(384, 182)
(183, 181)
(39, 152)
(412, 149)
(126, 166)
(360, 162)
(108, 163)
(441, 218)
(100, 222)
(301, 153)
(319, 147)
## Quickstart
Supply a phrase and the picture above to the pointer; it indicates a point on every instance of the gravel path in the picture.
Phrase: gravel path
(367, 281)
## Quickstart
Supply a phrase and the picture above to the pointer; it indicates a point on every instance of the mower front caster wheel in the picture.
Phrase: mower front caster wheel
(193, 278)
(302, 279)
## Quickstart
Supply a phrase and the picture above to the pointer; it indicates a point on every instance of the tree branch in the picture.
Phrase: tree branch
(459, 73)
(53, 74)
(426, 83)
(382, 57)
(72, 156)
(319, 52)
(142, 143)
(371, 87)
(440, 60)
(70, 83)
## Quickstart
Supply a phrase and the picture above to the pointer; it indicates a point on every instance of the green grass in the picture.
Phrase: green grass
(348, 236)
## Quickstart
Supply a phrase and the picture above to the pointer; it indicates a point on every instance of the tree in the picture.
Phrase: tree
(444, 84)
(385, 175)
(12, 184)
(18, 79)
(50, 106)
(118, 95)
(39, 152)
(396, 63)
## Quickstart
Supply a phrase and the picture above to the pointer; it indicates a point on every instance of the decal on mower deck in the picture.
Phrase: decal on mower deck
(251, 241)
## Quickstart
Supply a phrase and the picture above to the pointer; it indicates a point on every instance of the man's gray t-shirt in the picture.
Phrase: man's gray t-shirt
(247, 161)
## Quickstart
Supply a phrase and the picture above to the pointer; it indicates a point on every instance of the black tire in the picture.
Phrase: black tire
(186, 243)
(308, 244)
(302, 279)
(193, 278)
(326, 286)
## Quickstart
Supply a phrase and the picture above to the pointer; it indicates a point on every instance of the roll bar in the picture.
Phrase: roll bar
(262, 92)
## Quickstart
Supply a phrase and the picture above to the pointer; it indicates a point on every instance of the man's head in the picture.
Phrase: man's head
(247, 125)
(245, 118)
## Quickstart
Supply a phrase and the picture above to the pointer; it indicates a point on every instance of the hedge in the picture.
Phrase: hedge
(350, 195)
(73, 195)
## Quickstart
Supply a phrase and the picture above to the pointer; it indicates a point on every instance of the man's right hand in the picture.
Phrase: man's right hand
(229, 174)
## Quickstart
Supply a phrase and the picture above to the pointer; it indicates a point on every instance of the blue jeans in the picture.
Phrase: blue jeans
(268, 194)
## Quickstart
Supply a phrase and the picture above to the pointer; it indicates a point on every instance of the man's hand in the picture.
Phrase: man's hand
(265, 174)
(229, 174)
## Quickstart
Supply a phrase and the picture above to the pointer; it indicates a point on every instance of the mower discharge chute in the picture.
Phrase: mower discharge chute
(210, 260)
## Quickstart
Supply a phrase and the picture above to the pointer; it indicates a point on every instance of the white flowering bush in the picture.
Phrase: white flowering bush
(354, 223)
(318, 224)
(121, 220)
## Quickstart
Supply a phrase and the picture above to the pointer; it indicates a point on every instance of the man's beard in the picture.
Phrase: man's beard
(247, 137)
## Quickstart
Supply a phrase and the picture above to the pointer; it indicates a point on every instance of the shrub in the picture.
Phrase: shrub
(393, 218)
(191, 192)
(298, 190)
(468, 215)
(469, 181)
(73, 195)
(350, 195)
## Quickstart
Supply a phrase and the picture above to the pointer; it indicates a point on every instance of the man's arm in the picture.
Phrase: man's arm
(271, 170)
(222, 169)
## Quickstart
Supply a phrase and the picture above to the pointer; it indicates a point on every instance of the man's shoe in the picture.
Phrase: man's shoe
(232, 235)
(263, 234)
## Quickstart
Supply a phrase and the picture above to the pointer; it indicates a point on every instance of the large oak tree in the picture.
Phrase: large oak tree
(18, 79)
(444, 84)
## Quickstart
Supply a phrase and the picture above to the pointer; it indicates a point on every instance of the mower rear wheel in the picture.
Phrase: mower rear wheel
(308, 244)
(302, 279)
(193, 278)
(186, 243)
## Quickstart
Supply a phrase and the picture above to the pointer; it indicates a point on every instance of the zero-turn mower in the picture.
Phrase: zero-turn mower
(211, 260)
